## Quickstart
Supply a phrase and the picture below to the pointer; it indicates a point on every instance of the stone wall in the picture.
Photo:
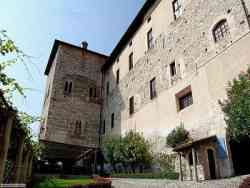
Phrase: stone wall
(82, 68)
(201, 63)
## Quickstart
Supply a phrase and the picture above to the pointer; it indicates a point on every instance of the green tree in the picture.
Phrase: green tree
(237, 107)
(178, 136)
(136, 150)
(112, 150)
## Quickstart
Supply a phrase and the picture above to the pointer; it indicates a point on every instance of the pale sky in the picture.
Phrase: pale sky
(34, 25)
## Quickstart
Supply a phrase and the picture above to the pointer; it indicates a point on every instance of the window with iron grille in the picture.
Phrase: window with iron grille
(186, 100)
(131, 105)
(117, 76)
(131, 61)
(152, 88)
(150, 39)
(112, 120)
(177, 8)
(221, 30)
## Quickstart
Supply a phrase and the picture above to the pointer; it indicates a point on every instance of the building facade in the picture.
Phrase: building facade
(72, 103)
(170, 68)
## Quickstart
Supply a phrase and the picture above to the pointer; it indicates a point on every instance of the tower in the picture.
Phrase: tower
(72, 104)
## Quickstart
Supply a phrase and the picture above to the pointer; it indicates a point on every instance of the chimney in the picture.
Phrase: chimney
(84, 44)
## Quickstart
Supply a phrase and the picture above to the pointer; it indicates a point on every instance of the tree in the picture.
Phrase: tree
(137, 150)
(237, 107)
(178, 136)
(131, 150)
(112, 147)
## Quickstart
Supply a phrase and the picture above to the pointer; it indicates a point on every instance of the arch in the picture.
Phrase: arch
(220, 30)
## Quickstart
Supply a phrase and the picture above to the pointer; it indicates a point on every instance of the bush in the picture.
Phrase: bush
(163, 175)
(132, 150)
(178, 136)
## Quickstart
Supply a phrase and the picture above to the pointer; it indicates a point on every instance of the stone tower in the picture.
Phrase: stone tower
(72, 103)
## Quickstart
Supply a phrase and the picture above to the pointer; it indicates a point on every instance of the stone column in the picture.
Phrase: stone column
(5, 144)
(29, 172)
(19, 159)
(25, 167)
(195, 165)
(180, 164)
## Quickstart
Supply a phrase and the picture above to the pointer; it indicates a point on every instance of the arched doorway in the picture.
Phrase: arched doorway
(211, 163)
(241, 155)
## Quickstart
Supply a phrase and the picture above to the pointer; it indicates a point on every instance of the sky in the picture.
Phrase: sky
(34, 25)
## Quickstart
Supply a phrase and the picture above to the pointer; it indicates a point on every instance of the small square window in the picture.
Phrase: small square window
(153, 88)
(184, 98)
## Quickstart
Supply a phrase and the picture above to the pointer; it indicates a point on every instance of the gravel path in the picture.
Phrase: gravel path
(147, 183)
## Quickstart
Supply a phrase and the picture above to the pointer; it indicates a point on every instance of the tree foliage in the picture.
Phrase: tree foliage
(10, 55)
(131, 150)
(237, 107)
(178, 136)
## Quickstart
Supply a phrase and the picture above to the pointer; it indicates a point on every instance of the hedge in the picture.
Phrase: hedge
(162, 175)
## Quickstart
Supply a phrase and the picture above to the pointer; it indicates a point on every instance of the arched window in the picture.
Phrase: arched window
(221, 30)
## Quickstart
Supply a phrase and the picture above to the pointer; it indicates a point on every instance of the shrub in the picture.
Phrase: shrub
(178, 136)
(163, 175)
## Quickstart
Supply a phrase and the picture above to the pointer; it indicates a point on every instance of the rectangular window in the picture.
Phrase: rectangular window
(67, 87)
(152, 88)
(117, 76)
(177, 8)
(90, 92)
(107, 88)
(150, 39)
(103, 127)
(131, 105)
(131, 61)
(184, 98)
(173, 69)
(112, 120)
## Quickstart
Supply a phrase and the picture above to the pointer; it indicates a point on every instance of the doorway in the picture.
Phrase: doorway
(211, 163)
(241, 155)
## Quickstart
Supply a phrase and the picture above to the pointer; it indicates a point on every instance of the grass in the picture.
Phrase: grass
(63, 183)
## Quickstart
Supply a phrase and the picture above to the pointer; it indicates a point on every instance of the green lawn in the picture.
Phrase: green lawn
(62, 183)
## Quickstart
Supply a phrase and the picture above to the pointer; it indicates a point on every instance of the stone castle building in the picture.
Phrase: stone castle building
(170, 68)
